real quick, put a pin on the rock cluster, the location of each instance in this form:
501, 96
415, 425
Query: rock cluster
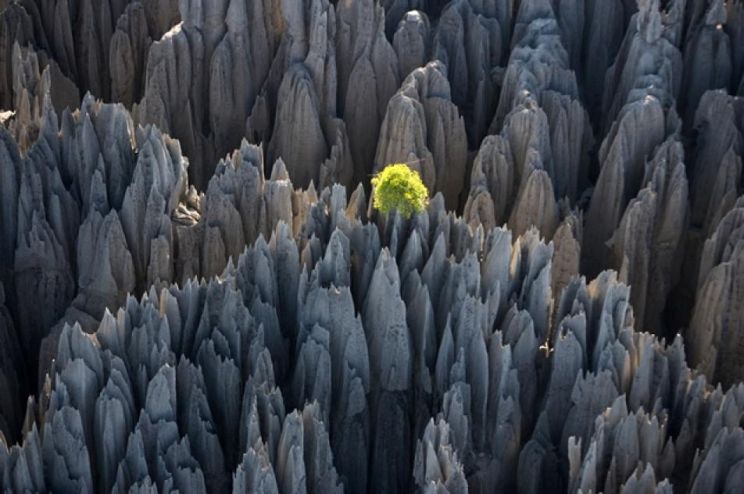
197, 295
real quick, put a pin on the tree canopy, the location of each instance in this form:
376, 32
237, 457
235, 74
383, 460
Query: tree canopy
398, 187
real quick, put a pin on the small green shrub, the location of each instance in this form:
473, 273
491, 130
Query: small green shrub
398, 187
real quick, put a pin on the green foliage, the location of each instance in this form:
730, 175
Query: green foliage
397, 187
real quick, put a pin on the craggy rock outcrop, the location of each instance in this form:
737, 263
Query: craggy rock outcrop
717, 316
647, 245
16, 27
411, 41
33, 89
639, 113
708, 58
12, 375
141, 23
236, 392
79, 35
194, 88
423, 127
715, 182
198, 294
716, 175
539, 110
100, 46
468, 41
368, 75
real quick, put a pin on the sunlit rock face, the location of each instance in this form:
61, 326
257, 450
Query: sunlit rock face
197, 294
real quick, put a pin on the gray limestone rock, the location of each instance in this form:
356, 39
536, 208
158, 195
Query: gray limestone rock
298, 137
255, 474
469, 44
208, 309
721, 140
422, 127
486, 384
215, 93
436, 466
127, 53
716, 317
567, 252
368, 75
707, 57
16, 28
37, 84
491, 184
656, 217
12, 373
632, 139
412, 41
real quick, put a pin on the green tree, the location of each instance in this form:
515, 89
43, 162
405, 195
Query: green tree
398, 187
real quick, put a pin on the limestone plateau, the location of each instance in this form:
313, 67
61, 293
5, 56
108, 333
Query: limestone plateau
197, 294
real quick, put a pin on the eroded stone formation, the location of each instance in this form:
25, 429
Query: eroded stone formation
196, 294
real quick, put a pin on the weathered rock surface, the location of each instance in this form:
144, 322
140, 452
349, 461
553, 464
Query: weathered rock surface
423, 127
462, 393
100, 46
197, 293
